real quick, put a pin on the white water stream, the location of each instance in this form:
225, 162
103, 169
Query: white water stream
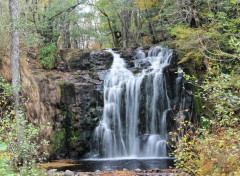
118, 134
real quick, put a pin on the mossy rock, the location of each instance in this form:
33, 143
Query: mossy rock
81, 61
68, 95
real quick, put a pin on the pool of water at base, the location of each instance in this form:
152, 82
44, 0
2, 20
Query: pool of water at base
91, 165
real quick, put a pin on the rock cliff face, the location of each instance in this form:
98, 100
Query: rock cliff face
69, 98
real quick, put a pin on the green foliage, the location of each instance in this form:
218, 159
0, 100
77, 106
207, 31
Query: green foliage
214, 152
212, 147
47, 56
58, 143
222, 93
187, 45
18, 152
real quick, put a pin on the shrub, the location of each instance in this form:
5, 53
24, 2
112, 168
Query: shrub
214, 152
18, 152
47, 56
213, 147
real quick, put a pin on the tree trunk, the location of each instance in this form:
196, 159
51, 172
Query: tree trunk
65, 35
14, 50
68, 36
124, 28
179, 9
15, 63
194, 16
114, 39
1, 12
151, 30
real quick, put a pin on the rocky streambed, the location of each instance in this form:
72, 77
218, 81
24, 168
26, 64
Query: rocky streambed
137, 172
126, 167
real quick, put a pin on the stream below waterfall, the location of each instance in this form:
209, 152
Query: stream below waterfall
91, 165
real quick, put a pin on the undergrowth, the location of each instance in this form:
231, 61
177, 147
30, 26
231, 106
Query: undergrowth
19, 153
47, 56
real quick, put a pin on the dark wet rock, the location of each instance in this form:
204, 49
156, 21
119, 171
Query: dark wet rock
102, 75
144, 64
68, 95
60, 65
127, 54
73, 60
156, 170
146, 48
101, 60
80, 61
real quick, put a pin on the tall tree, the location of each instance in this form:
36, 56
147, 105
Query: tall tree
15, 63
14, 50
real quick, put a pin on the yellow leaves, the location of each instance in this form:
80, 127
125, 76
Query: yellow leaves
44, 3
143, 4
219, 145
186, 57
12, 112
140, 4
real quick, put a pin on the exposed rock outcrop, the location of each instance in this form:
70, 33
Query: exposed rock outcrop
69, 98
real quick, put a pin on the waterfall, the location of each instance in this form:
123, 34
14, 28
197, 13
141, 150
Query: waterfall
125, 93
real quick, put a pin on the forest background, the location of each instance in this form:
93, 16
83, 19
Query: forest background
204, 33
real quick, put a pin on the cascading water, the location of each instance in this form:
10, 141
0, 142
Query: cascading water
118, 134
